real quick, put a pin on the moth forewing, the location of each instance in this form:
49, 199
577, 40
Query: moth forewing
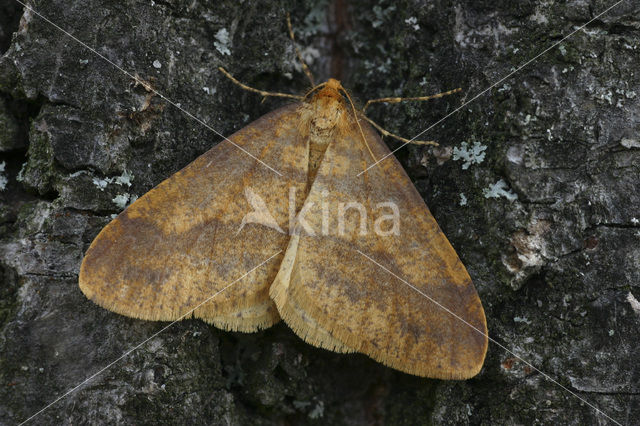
329, 295
179, 243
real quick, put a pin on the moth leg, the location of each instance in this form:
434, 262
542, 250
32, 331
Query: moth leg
419, 98
261, 92
305, 68
400, 138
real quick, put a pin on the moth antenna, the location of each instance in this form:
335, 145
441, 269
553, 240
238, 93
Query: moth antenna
355, 115
400, 138
305, 68
419, 98
261, 92
313, 89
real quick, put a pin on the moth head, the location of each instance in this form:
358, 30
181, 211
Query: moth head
327, 110
327, 106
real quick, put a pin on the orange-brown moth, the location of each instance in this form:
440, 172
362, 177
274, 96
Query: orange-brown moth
189, 237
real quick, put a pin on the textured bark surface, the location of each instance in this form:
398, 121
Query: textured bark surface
555, 257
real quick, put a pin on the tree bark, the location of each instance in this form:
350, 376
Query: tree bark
535, 184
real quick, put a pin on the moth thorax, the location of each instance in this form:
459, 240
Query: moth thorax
324, 114
328, 113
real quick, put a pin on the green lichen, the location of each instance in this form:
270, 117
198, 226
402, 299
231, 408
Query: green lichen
10, 79
8, 308
40, 172
8, 294
32, 216
8, 129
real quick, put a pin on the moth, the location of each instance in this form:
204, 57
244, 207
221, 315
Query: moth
349, 255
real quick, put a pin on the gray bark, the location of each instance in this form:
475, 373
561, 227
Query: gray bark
557, 268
